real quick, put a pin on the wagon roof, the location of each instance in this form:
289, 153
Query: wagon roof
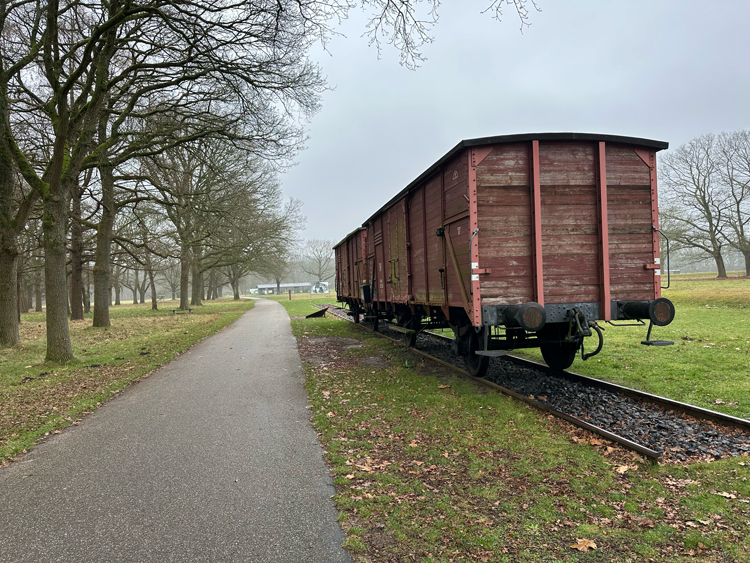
467, 143
347, 237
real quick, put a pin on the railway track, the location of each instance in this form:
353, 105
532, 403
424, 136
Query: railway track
658, 428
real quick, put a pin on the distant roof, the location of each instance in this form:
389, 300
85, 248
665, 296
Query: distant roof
270, 285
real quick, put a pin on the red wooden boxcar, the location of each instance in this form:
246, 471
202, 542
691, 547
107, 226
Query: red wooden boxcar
513, 242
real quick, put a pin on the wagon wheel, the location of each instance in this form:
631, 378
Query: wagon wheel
409, 340
559, 356
355, 315
476, 365
414, 323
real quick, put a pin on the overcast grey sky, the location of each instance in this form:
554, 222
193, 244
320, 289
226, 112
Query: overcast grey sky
666, 70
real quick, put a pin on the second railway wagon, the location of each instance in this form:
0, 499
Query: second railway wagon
515, 241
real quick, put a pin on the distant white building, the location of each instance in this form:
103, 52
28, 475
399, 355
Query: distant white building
298, 287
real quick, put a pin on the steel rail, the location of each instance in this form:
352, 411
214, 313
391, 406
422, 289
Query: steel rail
653, 455
670, 404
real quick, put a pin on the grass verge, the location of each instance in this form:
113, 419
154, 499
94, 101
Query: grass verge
38, 398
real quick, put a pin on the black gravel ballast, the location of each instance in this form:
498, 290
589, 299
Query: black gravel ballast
679, 437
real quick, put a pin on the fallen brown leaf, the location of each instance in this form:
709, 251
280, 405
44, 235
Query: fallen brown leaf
584, 545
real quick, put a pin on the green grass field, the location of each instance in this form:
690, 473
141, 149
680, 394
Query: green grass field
430, 467
709, 364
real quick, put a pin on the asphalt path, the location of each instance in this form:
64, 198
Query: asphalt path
211, 458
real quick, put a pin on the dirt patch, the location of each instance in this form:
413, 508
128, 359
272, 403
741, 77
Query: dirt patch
379, 539
374, 361
322, 350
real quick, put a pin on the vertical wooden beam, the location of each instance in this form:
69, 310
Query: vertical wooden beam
649, 159
446, 309
364, 277
603, 232
409, 295
476, 298
425, 259
536, 224
655, 223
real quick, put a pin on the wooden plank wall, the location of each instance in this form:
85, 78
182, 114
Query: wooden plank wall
434, 220
505, 230
340, 274
418, 239
570, 237
571, 257
630, 238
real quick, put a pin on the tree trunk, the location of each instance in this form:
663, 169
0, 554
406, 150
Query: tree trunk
211, 284
143, 286
720, 266
184, 277
116, 285
102, 253
135, 287
9, 335
38, 287
59, 348
29, 296
76, 258
18, 294
87, 294
152, 284
196, 299
197, 289
236, 290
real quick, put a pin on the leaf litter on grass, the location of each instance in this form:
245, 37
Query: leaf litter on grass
427, 476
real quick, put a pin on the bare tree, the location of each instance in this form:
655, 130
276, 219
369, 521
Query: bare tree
696, 205
734, 170
317, 259
171, 276
278, 268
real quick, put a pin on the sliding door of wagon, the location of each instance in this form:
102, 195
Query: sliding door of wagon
457, 231
417, 237
570, 230
434, 258
397, 262
379, 271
